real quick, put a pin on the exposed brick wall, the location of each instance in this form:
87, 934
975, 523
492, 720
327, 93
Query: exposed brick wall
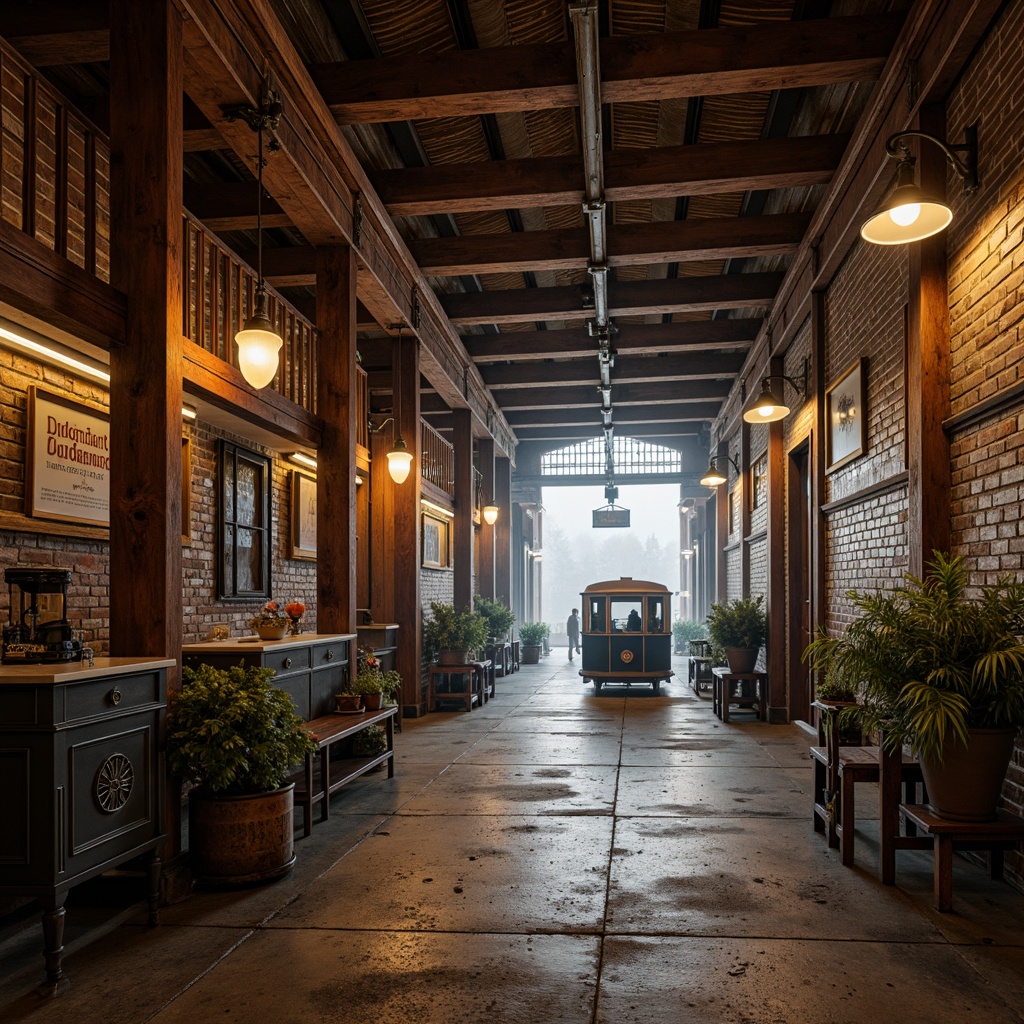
733, 573
437, 585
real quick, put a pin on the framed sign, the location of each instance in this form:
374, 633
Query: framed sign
67, 467
303, 516
846, 431
436, 542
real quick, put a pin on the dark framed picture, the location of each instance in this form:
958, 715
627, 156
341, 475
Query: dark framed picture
436, 542
303, 516
846, 430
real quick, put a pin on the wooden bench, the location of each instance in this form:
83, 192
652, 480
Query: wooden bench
1004, 833
327, 731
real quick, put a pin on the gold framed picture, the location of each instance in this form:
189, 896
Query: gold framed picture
436, 542
303, 516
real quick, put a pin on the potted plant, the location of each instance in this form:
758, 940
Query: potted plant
739, 628
942, 670
373, 684
531, 636
453, 636
234, 736
685, 630
500, 618
270, 622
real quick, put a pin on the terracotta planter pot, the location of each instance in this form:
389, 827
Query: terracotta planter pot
239, 840
967, 784
373, 701
453, 657
741, 659
347, 702
274, 632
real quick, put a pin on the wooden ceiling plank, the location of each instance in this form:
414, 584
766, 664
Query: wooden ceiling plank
758, 58
50, 49
671, 171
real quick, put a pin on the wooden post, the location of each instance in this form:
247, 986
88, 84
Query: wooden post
927, 383
775, 599
485, 564
404, 566
146, 373
503, 531
462, 526
336, 459
722, 525
745, 507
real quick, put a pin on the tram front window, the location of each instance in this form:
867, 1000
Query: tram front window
626, 616
655, 615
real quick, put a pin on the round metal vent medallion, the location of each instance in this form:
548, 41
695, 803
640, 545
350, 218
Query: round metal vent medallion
114, 783
626, 656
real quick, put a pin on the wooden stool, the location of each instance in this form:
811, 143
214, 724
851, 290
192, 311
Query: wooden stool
467, 695
723, 695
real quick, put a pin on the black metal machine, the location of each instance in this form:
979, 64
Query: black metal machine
37, 629
627, 633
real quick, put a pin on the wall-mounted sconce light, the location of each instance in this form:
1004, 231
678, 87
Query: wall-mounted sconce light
53, 353
713, 477
188, 413
909, 213
399, 457
359, 480
770, 407
259, 345
490, 514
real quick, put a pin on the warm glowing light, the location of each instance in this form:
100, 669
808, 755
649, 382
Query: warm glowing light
399, 461
258, 346
303, 459
490, 514
53, 355
906, 214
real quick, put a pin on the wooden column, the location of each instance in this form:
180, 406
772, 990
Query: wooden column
336, 458
503, 531
745, 507
404, 564
927, 383
485, 564
818, 568
775, 599
146, 373
462, 525
722, 525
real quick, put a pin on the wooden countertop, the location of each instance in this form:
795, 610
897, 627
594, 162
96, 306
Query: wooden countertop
76, 671
241, 644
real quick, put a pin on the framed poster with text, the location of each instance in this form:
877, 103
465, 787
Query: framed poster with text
67, 464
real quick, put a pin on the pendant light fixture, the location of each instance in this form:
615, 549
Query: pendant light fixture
909, 213
490, 514
770, 407
714, 477
259, 344
399, 457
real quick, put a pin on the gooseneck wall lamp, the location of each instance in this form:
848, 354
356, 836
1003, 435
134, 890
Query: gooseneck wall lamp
259, 345
714, 477
399, 457
770, 405
909, 213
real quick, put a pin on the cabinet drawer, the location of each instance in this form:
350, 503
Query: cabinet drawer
292, 659
326, 655
111, 695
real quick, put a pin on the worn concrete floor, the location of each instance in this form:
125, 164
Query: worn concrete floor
554, 856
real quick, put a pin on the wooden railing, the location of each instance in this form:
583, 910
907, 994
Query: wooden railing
55, 187
54, 169
437, 459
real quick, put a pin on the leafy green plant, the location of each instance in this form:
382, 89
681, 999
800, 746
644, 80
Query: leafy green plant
930, 660
738, 623
533, 634
370, 741
231, 732
685, 630
500, 618
449, 630
372, 679
831, 687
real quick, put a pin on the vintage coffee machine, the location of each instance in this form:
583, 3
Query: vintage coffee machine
37, 629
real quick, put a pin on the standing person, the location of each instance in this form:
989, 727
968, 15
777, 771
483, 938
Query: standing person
572, 627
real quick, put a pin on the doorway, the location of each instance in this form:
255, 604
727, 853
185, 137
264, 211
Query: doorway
798, 589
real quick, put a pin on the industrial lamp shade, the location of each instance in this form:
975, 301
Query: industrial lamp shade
712, 478
907, 214
768, 408
259, 346
490, 514
399, 461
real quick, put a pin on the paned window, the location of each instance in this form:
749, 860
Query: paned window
244, 523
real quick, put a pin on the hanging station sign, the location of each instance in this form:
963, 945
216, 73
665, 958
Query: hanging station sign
609, 516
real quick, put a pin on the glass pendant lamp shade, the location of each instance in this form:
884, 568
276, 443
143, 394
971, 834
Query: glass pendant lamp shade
259, 346
490, 514
399, 461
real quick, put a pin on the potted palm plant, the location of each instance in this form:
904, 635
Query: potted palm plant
234, 737
739, 629
453, 636
942, 670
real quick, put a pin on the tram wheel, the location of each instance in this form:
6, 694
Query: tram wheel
597, 686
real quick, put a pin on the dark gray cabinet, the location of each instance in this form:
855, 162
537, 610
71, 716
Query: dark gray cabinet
311, 667
81, 770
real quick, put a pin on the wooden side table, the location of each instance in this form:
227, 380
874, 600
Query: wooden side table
744, 689
469, 692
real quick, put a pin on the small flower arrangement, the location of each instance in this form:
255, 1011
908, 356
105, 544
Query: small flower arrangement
269, 615
295, 609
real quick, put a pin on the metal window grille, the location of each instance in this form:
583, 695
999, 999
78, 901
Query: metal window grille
587, 458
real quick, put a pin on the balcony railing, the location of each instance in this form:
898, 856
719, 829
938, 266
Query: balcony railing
437, 460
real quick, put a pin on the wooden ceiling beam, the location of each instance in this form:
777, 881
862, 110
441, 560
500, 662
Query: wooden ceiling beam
648, 393
635, 339
231, 206
50, 49
677, 367
649, 432
688, 412
625, 298
628, 245
711, 168
706, 62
